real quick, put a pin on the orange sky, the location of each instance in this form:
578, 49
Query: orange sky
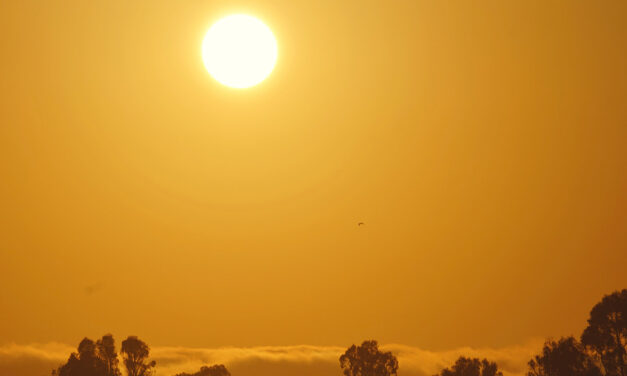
482, 143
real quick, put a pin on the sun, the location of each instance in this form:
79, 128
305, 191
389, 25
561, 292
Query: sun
239, 51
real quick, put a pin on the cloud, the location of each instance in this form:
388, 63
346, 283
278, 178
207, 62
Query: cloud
303, 360
259, 361
511, 360
37, 359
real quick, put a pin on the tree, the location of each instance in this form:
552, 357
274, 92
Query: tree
606, 333
367, 360
135, 354
106, 352
566, 357
472, 367
215, 370
85, 362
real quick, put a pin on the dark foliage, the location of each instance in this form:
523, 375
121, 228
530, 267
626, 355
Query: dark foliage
92, 359
106, 352
472, 367
135, 354
367, 360
566, 357
606, 333
215, 370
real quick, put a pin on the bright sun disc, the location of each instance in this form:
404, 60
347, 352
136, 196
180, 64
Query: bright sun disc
239, 51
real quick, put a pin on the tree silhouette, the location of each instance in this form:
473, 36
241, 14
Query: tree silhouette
135, 354
606, 333
566, 357
472, 367
215, 370
85, 362
367, 360
108, 355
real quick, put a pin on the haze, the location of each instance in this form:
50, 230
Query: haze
481, 143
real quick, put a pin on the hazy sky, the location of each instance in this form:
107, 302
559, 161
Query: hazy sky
483, 143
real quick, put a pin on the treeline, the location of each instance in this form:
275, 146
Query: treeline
101, 359
600, 351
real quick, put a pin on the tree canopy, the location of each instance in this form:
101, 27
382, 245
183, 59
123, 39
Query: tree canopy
92, 359
215, 370
606, 333
106, 351
566, 357
135, 354
472, 367
368, 360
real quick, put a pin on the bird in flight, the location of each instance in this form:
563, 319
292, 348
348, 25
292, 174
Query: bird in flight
360, 224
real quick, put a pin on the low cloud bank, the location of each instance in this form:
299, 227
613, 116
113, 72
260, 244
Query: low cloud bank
32, 360
40, 359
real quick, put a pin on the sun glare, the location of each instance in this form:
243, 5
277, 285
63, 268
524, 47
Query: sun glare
239, 51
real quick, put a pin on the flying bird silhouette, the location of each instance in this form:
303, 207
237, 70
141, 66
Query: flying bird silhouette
360, 224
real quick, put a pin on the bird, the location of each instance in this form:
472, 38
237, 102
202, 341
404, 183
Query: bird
360, 224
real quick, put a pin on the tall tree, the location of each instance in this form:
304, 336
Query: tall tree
135, 354
472, 367
106, 352
566, 357
606, 333
215, 370
368, 360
